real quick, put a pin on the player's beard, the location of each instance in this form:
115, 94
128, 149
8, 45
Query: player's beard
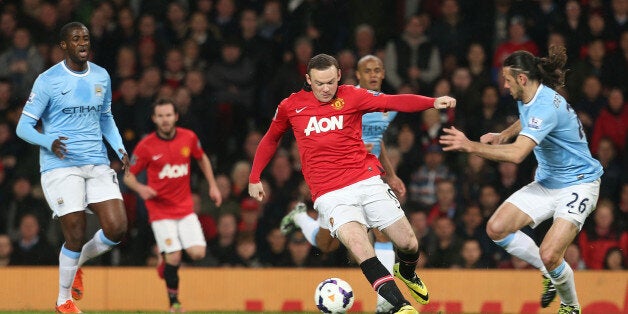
167, 131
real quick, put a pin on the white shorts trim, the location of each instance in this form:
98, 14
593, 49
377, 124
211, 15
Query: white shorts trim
172, 235
573, 203
71, 189
370, 202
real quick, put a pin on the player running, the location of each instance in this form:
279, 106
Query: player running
344, 179
165, 155
567, 181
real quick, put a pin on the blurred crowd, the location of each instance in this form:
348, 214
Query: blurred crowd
228, 63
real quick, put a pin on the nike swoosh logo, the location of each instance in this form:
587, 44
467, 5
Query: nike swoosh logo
425, 297
157, 157
65, 92
299, 110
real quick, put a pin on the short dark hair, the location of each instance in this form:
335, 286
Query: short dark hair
549, 71
164, 101
322, 62
67, 29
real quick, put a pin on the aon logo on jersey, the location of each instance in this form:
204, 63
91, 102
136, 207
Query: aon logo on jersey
173, 171
323, 125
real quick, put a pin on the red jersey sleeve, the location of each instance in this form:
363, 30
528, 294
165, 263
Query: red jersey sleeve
139, 159
268, 145
197, 148
376, 101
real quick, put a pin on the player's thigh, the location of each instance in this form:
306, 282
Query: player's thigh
381, 206
64, 190
101, 184
339, 207
166, 234
530, 205
191, 232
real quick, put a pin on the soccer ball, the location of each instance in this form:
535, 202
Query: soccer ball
333, 295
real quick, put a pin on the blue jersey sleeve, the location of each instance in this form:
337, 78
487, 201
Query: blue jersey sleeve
33, 109
538, 123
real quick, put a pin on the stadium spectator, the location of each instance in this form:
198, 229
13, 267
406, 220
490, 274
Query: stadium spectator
591, 103
613, 171
30, 246
612, 122
471, 256
21, 62
422, 184
275, 253
573, 256
445, 205
595, 62
614, 259
6, 248
222, 247
444, 249
574, 26
604, 233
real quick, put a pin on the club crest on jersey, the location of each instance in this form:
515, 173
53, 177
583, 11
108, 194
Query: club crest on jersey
338, 104
185, 151
535, 123
30, 98
98, 90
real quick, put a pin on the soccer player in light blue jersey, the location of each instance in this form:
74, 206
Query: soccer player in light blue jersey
72, 100
567, 180
370, 74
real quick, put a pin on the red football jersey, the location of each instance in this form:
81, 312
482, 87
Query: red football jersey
329, 135
167, 165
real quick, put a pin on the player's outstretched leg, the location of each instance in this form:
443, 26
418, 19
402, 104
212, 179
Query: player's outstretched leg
418, 290
549, 292
77, 285
288, 225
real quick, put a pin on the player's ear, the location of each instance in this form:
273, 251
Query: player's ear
308, 79
63, 45
339, 75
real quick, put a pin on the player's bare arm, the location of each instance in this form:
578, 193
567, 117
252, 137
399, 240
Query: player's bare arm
456, 140
206, 167
126, 163
502, 137
58, 147
391, 176
143, 190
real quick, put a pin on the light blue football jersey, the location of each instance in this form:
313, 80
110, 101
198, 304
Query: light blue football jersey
72, 104
562, 151
374, 125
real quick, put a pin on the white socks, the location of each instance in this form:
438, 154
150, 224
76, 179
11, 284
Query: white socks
522, 246
308, 225
98, 245
68, 264
563, 280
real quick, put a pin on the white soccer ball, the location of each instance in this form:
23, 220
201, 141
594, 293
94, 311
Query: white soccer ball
333, 295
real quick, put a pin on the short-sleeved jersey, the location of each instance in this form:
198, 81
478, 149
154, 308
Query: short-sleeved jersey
329, 135
71, 104
562, 151
167, 165
374, 124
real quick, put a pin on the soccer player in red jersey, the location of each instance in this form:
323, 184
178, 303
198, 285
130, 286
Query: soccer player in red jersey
165, 155
344, 179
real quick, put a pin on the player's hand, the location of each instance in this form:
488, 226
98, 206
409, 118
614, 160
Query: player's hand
454, 140
58, 147
256, 191
125, 160
444, 102
491, 138
369, 147
146, 192
214, 194
397, 186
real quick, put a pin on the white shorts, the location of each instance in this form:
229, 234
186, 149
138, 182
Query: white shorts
370, 202
174, 235
573, 203
71, 189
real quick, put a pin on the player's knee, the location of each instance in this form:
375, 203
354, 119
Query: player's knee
495, 230
410, 245
116, 232
196, 253
550, 257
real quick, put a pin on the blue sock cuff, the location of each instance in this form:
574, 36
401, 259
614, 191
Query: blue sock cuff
104, 239
383, 246
505, 241
314, 233
68, 253
559, 270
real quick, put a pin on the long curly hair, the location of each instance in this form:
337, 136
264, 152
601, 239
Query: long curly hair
549, 71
